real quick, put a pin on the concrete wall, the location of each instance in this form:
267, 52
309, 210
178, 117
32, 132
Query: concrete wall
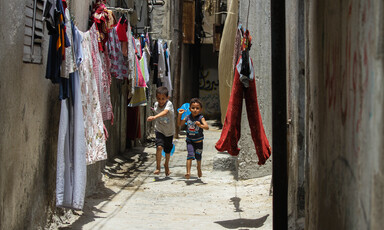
259, 25
29, 121
208, 22
160, 19
189, 79
29, 124
344, 68
209, 83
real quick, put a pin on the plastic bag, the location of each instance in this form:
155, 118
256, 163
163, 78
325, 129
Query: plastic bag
172, 151
185, 106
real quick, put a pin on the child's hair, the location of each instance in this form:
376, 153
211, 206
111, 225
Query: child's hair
196, 100
162, 90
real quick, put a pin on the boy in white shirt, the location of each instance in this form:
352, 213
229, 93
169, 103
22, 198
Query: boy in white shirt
164, 128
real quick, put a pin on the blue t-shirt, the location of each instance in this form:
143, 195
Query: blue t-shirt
194, 132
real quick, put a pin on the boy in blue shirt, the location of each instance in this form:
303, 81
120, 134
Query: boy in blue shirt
195, 125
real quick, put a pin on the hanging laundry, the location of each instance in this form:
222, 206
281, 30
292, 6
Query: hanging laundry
101, 66
119, 66
68, 64
121, 30
142, 42
133, 123
138, 47
77, 49
71, 145
71, 158
105, 88
131, 61
148, 42
94, 133
230, 134
105, 20
144, 68
154, 62
139, 94
49, 14
147, 55
167, 82
138, 98
237, 47
161, 64
56, 50
139, 78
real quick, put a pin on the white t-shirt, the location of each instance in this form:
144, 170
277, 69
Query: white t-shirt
165, 124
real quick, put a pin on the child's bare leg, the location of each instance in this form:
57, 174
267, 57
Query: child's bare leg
199, 172
159, 149
189, 164
166, 164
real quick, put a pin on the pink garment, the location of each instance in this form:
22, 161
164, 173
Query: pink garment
101, 66
105, 89
119, 67
139, 79
93, 122
237, 48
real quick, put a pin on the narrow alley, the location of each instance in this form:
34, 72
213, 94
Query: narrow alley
132, 197
292, 92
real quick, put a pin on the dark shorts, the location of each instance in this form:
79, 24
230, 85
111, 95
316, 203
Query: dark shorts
165, 142
194, 150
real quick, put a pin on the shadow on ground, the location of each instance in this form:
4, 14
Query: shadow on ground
126, 165
243, 223
194, 181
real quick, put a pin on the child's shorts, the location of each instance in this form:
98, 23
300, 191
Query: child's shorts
165, 142
194, 150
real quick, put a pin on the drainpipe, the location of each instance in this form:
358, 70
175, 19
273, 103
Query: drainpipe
279, 116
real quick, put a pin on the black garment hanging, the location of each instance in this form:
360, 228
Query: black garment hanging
154, 64
165, 59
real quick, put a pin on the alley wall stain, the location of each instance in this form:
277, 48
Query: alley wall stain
345, 108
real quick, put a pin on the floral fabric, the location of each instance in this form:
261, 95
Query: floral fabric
93, 121
101, 66
119, 67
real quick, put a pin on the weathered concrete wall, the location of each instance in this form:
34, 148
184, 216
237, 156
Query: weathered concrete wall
29, 125
345, 114
208, 22
209, 83
187, 78
30, 112
160, 20
259, 25
296, 109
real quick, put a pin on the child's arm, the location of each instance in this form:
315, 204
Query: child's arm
203, 124
162, 114
179, 121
